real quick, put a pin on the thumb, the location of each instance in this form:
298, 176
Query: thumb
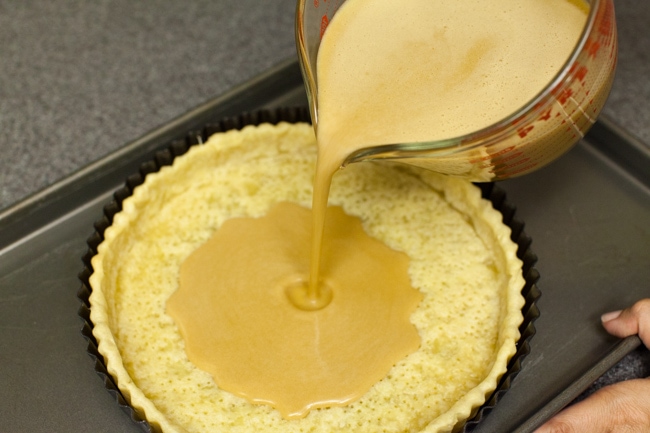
587, 415
633, 320
622, 407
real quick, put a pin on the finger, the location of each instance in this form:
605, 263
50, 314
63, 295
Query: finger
633, 320
575, 419
622, 407
581, 417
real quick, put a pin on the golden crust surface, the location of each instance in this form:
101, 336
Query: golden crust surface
462, 260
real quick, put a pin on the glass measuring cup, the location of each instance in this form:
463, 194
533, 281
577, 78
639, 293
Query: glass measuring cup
542, 130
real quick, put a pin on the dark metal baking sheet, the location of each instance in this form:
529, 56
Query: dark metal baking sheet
587, 213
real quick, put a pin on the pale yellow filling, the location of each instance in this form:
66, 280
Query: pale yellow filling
421, 70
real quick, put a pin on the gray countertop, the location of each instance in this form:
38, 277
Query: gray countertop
79, 80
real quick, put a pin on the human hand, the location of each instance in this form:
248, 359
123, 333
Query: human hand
633, 320
622, 407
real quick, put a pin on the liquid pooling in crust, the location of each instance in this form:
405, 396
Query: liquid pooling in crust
531, 293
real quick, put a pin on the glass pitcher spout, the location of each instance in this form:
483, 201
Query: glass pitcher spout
542, 130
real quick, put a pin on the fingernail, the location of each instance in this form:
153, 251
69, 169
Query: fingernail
610, 316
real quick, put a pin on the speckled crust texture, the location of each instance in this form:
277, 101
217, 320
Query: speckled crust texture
462, 260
